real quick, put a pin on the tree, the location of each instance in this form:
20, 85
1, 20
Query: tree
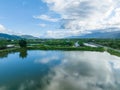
81, 43
3, 44
22, 43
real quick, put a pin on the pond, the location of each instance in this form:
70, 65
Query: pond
59, 70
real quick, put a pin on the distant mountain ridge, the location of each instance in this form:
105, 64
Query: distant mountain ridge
111, 34
29, 37
97, 34
16, 37
8, 36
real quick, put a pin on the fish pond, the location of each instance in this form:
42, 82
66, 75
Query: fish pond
59, 70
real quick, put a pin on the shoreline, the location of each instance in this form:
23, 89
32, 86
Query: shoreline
98, 49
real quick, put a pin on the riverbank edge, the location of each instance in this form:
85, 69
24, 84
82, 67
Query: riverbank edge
98, 49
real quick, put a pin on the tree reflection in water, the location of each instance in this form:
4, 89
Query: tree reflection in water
64, 70
23, 53
3, 54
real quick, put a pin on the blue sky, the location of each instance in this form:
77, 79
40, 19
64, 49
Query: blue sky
17, 16
44, 18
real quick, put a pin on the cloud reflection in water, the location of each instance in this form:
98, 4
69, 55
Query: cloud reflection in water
86, 71
66, 70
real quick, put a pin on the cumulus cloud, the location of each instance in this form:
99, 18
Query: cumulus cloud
87, 15
60, 33
2, 29
46, 18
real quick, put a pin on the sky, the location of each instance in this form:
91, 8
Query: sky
58, 18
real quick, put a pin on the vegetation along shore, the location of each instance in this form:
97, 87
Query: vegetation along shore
101, 45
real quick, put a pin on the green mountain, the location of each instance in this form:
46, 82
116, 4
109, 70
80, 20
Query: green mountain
7, 36
28, 37
104, 33
16, 37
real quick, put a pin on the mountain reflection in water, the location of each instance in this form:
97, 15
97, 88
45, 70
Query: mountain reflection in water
60, 70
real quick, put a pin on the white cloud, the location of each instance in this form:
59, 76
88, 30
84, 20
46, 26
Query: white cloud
46, 18
114, 20
87, 15
2, 28
62, 33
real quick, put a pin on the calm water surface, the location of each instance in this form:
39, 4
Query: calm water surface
59, 70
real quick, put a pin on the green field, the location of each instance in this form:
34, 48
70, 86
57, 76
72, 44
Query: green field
63, 44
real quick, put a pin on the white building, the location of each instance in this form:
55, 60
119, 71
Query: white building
10, 46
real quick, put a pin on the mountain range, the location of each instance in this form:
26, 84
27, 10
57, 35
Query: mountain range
8, 36
115, 33
109, 33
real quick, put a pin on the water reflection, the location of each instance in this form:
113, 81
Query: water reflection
86, 71
23, 53
60, 70
3, 54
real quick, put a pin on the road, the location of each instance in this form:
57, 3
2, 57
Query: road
105, 47
91, 44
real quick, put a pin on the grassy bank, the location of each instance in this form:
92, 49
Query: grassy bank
85, 48
113, 52
10, 50
5, 52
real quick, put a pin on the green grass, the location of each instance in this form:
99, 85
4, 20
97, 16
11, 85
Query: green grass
66, 48
113, 52
5, 52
